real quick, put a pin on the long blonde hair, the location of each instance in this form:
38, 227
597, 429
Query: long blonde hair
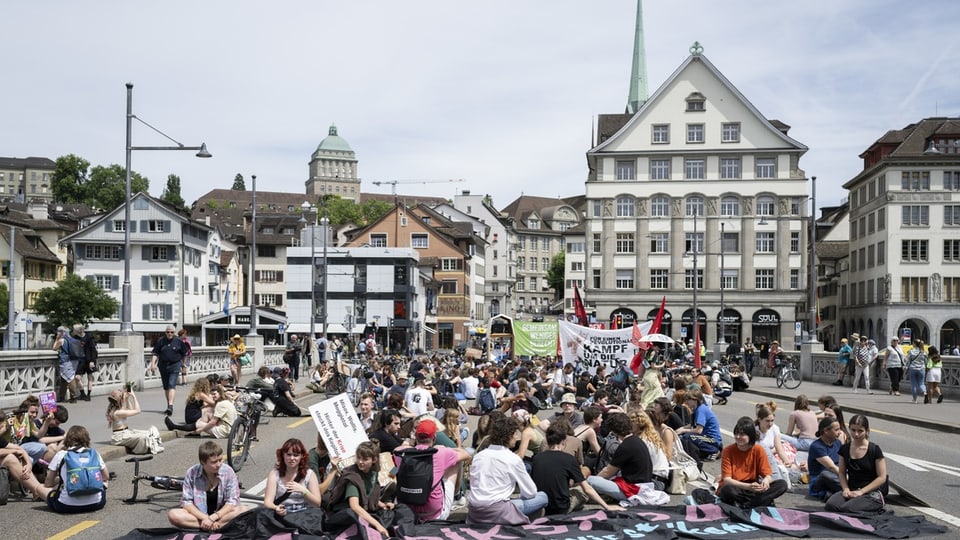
451, 424
643, 428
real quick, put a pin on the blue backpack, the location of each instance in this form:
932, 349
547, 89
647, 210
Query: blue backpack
84, 472
486, 400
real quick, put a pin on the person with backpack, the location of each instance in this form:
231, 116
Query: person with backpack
67, 367
78, 477
182, 334
83, 350
426, 473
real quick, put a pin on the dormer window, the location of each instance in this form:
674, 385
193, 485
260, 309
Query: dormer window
533, 223
696, 102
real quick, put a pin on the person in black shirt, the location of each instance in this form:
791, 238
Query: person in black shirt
387, 431
632, 460
283, 396
168, 351
554, 471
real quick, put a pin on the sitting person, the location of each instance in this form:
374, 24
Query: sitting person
445, 470
555, 470
863, 473
705, 432
387, 430
291, 484
823, 459
198, 399
19, 466
283, 395
219, 421
494, 474
263, 382
121, 405
630, 465
209, 480
54, 490
801, 425
745, 475
323, 465
356, 493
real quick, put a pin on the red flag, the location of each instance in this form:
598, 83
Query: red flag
613, 324
696, 341
637, 362
655, 329
578, 308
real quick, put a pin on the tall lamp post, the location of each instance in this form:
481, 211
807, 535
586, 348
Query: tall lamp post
324, 226
253, 258
723, 307
313, 267
126, 312
812, 286
696, 312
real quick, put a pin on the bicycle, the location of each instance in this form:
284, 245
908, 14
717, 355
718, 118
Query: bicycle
244, 429
166, 483
787, 373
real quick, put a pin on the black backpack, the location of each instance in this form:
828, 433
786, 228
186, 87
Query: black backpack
486, 400
415, 475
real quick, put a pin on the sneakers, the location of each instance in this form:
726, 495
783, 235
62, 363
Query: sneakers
459, 503
169, 410
940, 398
838, 383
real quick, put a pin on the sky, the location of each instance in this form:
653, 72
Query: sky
499, 93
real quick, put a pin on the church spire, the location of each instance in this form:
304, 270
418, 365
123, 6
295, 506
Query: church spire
638, 75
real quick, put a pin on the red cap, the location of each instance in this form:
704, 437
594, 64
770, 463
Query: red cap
426, 429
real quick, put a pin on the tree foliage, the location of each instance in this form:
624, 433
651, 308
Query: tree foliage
70, 178
4, 303
171, 193
556, 273
106, 187
342, 211
238, 183
75, 300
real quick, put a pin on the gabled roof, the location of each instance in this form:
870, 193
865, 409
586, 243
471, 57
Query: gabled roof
27, 163
406, 200
437, 233
171, 210
29, 246
525, 206
910, 143
652, 102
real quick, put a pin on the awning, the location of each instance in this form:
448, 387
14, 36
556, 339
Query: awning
333, 328
428, 329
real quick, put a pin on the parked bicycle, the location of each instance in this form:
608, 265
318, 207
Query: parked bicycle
787, 373
167, 483
244, 430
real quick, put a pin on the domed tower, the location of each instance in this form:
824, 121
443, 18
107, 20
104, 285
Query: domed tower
333, 168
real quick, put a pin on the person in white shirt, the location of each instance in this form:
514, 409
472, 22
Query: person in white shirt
563, 382
471, 384
893, 362
418, 399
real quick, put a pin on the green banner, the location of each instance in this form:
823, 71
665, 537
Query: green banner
535, 338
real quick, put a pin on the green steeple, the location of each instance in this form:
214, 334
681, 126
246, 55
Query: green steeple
638, 75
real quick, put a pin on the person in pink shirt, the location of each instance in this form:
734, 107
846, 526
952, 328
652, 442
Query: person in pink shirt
445, 467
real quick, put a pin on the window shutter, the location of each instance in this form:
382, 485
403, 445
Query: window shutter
279, 300
145, 252
146, 312
108, 225
171, 283
144, 283
133, 226
114, 283
280, 275
143, 225
196, 285
256, 277
256, 299
78, 251
167, 226
168, 311
172, 253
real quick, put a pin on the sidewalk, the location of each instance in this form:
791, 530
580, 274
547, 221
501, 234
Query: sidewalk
942, 417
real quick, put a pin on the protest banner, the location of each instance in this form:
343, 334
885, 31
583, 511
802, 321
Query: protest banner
590, 347
337, 422
534, 338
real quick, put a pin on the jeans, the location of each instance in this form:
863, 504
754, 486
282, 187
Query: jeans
606, 487
746, 498
748, 363
865, 371
801, 444
917, 386
532, 505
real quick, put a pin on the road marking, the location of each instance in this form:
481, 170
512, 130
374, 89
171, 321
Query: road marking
873, 430
257, 489
83, 525
942, 516
299, 423
923, 465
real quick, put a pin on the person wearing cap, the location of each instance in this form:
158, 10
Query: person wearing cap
236, 349
169, 351
401, 385
568, 410
445, 466
893, 362
866, 355
843, 358
418, 399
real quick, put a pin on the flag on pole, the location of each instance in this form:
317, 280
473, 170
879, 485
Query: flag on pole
696, 341
658, 320
578, 309
818, 309
643, 346
226, 300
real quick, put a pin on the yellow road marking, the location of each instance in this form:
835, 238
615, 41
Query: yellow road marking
83, 525
299, 423
874, 430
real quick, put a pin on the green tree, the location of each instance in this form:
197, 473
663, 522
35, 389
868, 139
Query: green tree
373, 210
171, 193
69, 180
75, 300
556, 274
106, 187
238, 183
340, 211
4, 303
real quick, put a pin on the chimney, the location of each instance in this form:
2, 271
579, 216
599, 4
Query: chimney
38, 210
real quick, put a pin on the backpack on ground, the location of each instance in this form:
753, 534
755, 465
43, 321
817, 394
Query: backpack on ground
84, 473
415, 475
486, 400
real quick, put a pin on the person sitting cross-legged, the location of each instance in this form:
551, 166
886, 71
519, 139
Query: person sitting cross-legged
629, 467
209, 480
445, 466
705, 432
55, 489
745, 475
554, 470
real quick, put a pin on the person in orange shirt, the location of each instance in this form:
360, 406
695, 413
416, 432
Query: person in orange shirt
745, 476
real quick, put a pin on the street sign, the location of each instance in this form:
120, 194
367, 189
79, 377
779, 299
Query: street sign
280, 327
906, 335
798, 329
683, 331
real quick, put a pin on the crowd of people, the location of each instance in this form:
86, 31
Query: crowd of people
918, 363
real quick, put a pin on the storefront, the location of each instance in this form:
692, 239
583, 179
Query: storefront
666, 324
766, 324
622, 318
731, 327
686, 325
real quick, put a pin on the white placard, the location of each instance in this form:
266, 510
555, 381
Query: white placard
339, 426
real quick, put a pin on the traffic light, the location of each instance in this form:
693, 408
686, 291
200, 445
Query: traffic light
619, 321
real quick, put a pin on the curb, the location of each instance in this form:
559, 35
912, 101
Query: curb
875, 413
111, 452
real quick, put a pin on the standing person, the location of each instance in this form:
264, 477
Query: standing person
291, 484
84, 351
823, 459
182, 334
746, 479
292, 356
916, 369
934, 374
893, 362
863, 473
121, 405
843, 358
554, 471
68, 366
54, 489
856, 341
211, 493
323, 345
748, 356
236, 349
169, 351
763, 349
866, 355
309, 345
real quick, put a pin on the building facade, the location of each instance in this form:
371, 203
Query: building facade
26, 179
333, 169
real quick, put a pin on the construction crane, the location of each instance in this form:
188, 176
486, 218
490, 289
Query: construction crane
393, 183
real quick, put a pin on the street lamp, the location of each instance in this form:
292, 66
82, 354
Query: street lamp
253, 258
324, 224
305, 207
812, 286
723, 335
126, 312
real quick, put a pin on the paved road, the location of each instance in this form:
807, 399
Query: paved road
922, 459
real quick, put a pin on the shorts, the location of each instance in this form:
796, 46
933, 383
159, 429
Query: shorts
169, 374
53, 502
83, 367
934, 375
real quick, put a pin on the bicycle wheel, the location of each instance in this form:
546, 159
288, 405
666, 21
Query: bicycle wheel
238, 444
790, 378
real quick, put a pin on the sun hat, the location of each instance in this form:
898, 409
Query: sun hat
568, 398
236, 336
522, 415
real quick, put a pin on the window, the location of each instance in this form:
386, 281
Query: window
576, 266
533, 264
661, 134
597, 208
951, 250
915, 180
448, 286
765, 242
659, 278
533, 283
266, 251
729, 168
626, 170
625, 207
913, 250
871, 255
659, 169
269, 276
624, 278
693, 169
545, 243
913, 289
158, 283
660, 206
119, 225
156, 225
575, 247
522, 242
694, 206
951, 214
109, 253
764, 278
951, 180
730, 279
766, 167
795, 204
951, 289
545, 263
794, 278
521, 286
730, 132
694, 133
881, 253
522, 263
688, 282
693, 242
596, 278
533, 223
156, 312
730, 242
534, 243
451, 264
730, 206
917, 215
596, 242
159, 253
696, 102
419, 241
104, 282
625, 243
378, 240
795, 242
766, 206
660, 243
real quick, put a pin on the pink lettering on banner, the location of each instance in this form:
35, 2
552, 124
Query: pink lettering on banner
494, 532
652, 516
784, 519
850, 520
704, 512
543, 526
585, 521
